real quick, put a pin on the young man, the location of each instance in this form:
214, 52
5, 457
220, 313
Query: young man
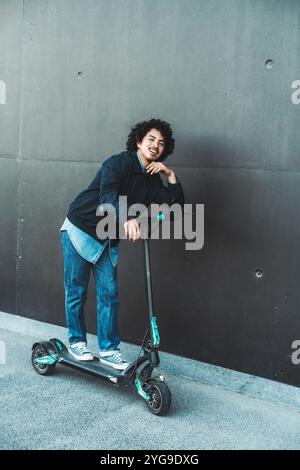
134, 173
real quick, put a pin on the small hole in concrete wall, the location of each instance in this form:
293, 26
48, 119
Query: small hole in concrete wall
258, 273
80, 75
269, 63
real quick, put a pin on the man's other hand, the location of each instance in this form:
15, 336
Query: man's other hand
158, 167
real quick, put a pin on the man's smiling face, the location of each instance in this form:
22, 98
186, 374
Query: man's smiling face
151, 147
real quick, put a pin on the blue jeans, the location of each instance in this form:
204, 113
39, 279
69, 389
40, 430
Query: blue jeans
76, 279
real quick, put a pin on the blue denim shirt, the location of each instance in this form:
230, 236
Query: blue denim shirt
142, 167
86, 246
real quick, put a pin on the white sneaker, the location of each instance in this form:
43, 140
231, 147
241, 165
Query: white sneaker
80, 352
114, 359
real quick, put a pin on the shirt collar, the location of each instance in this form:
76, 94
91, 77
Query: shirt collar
140, 161
137, 165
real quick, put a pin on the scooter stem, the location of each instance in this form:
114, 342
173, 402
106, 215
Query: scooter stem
148, 278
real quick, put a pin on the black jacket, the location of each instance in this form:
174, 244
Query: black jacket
120, 175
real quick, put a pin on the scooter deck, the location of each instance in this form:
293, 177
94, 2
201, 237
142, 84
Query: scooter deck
95, 368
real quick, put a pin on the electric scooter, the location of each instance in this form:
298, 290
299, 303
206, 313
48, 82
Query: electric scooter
153, 389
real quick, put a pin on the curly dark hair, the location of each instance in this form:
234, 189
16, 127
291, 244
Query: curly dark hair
139, 131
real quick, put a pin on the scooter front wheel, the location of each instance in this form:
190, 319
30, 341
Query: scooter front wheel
160, 397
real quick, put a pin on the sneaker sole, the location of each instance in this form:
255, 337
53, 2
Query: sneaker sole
81, 358
114, 366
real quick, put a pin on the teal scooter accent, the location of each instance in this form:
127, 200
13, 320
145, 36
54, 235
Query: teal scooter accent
160, 217
59, 345
47, 359
155, 333
138, 386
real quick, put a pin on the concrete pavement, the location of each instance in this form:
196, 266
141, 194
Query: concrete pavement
70, 410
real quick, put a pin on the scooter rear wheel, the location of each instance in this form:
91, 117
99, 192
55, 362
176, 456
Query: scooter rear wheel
160, 400
42, 369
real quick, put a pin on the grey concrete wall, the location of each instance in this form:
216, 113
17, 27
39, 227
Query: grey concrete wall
78, 74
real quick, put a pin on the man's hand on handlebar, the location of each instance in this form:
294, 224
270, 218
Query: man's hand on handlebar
132, 230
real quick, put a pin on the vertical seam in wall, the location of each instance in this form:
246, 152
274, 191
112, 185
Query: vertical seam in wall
19, 176
21, 85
